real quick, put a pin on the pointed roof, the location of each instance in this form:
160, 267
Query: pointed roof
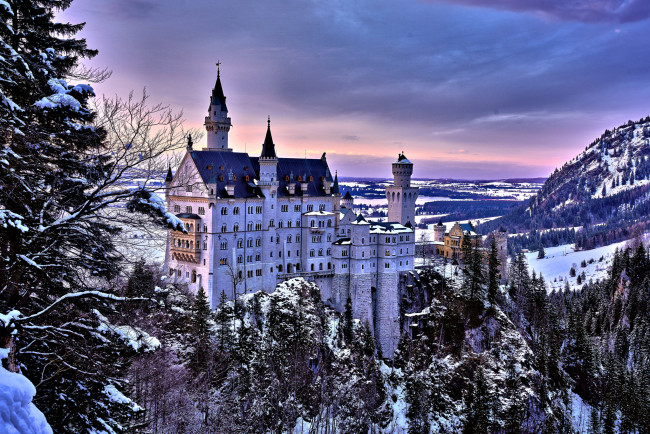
401, 159
335, 188
169, 177
347, 195
268, 148
217, 94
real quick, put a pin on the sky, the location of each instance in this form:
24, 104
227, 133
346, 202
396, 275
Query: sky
468, 89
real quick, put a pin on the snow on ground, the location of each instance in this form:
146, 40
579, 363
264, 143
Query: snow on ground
556, 265
18, 415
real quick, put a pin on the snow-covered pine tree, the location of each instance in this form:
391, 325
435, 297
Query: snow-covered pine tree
60, 177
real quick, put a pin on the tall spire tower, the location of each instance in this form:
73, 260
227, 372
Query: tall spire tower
217, 122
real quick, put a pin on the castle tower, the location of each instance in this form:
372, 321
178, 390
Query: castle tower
336, 204
217, 123
268, 160
347, 200
439, 232
401, 196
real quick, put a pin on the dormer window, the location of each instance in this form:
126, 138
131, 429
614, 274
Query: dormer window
234, 177
299, 178
247, 178
221, 178
221, 168
311, 178
286, 178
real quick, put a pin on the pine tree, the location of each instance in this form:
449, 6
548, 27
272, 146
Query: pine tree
493, 272
223, 318
201, 337
347, 321
478, 403
56, 246
541, 254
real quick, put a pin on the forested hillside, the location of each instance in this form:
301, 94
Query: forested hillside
479, 359
605, 190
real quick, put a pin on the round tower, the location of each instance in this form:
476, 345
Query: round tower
401, 196
439, 232
402, 171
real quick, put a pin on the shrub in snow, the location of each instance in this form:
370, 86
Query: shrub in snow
18, 414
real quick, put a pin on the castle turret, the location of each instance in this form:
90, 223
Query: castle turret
347, 201
439, 232
268, 160
217, 123
401, 196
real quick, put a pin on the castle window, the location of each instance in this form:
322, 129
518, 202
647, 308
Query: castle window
329, 223
362, 266
311, 253
224, 210
320, 252
400, 251
249, 258
407, 262
188, 209
234, 177
288, 238
386, 265
387, 252
235, 210
329, 237
240, 259
298, 223
329, 265
401, 238
329, 252
258, 242
193, 276
400, 263
258, 210
363, 254
224, 245
201, 210
249, 226
312, 267
188, 188
280, 224
388, 239
240, 275
310, 208
258, 226
407, 251
249, 242
240, 243
257, 258
286, 178
394, 239
296, 208
221, 178
172, 271
211, 191
205, 245
363, 241
273, 192
408, 238
179, 273
320, 266
284, 208
313, 224
223, 261
235, 228
258, 272
223, 228
205, 228
288, 253
299, 178
311, 178
297, 238
280, 268
321, 207
177, 208
249, 273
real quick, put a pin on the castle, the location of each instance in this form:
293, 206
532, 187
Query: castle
253, 222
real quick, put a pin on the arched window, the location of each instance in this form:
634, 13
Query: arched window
312, 267
224, 228
320, 266
193, 276
329, 265
280, 268
313, 224
236, 227
398, 196
320, 252
329, 223
311, 253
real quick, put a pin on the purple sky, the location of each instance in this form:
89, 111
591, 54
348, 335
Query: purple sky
467, 88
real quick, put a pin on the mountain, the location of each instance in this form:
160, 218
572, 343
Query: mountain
605, 190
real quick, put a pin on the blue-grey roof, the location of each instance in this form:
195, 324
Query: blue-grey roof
213, 164
303, 167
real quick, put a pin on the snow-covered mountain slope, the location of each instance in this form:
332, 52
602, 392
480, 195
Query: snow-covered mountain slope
606, 188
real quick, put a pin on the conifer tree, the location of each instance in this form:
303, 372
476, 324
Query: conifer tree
493, 272
541, 254
201, 337
347, 321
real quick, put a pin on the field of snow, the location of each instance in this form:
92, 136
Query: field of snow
559, 260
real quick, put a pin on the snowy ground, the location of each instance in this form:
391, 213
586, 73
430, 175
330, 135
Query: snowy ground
556, 265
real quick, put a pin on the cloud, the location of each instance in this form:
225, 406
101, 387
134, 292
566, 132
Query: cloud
351, 138
572, 10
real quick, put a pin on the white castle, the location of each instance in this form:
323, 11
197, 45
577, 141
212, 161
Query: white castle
253, 222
